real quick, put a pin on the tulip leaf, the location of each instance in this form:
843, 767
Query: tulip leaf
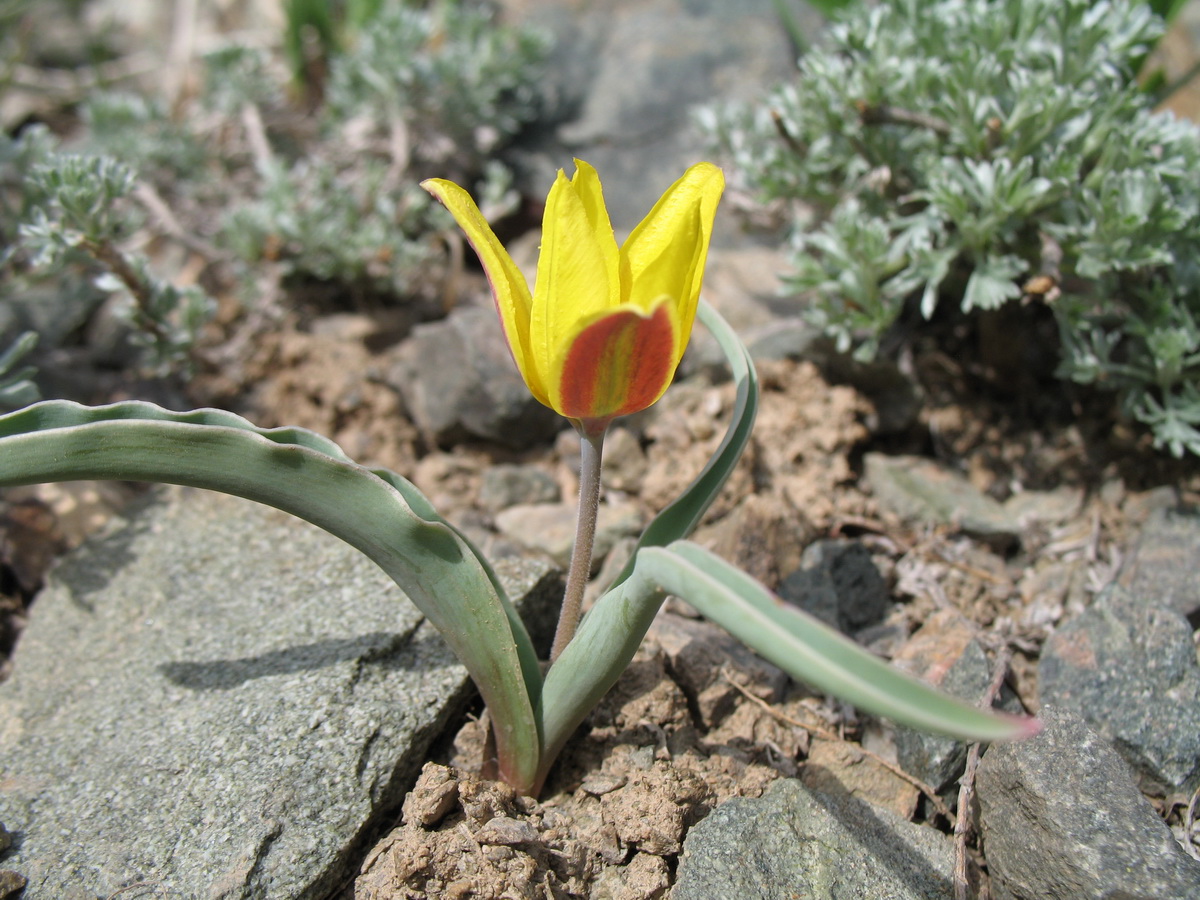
614, 628
810, 651
302, 473
804, 647
591, 663
683, 514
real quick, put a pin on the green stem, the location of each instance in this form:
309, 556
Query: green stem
590, 453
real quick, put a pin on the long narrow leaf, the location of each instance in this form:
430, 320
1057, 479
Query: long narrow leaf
614, 628
683, 514
590, 665
302, 473
811, 651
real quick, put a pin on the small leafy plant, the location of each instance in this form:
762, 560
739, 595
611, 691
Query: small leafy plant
599, 336
407, 89
268, 190
80, 212
962, 155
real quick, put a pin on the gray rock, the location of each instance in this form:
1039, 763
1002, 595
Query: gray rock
10, 882
459, 381
550, 528
786, 338
1045, 507
508, 484
743, 284
1164, 562
839, 583
1129, 668
923, 491
946, 652
630, 74
1061, 817
624, 461
794, 842
222, 700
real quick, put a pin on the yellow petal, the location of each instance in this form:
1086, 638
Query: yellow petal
509, 287
577, 274
665, 254
586, 182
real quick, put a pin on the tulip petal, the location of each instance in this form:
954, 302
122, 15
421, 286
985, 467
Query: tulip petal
577, 274
509, 287
586, 182
665, 254
618, 363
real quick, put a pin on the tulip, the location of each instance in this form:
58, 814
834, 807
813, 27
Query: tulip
605, 327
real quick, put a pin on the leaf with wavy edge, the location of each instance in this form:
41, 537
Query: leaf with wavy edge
302, 473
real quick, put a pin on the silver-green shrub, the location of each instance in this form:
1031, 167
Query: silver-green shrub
973, 153
77, 210
273, 181
413, 91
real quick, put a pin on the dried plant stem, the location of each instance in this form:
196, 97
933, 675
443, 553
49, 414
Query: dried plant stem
962, 828
107, 254
157, 207
591, 451
883, 114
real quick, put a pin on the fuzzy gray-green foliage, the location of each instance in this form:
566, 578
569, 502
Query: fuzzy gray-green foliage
413, 92
76, 208
16, 385
320, 187
450, 75
956, 149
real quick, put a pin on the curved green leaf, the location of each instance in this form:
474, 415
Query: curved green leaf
811, 651
590, 665
682, 515
302, 473
614, 628
802, 646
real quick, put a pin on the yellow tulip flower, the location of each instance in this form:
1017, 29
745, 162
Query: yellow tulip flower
605, 327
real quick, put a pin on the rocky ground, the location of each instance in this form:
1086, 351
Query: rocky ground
1014, 542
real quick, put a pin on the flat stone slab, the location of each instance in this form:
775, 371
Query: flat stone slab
921, 490
1062, 817
1164, 560
221, 701
796, 842
1128, 666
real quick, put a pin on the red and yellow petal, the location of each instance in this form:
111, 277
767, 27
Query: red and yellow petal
619, 363
577, 274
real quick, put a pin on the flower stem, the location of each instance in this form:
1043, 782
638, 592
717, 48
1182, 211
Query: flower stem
590, 452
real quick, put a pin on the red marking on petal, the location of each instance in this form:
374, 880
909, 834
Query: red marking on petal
618, 365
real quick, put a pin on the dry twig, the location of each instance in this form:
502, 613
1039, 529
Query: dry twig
883, 114
823, 732
962, 828
153, 202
